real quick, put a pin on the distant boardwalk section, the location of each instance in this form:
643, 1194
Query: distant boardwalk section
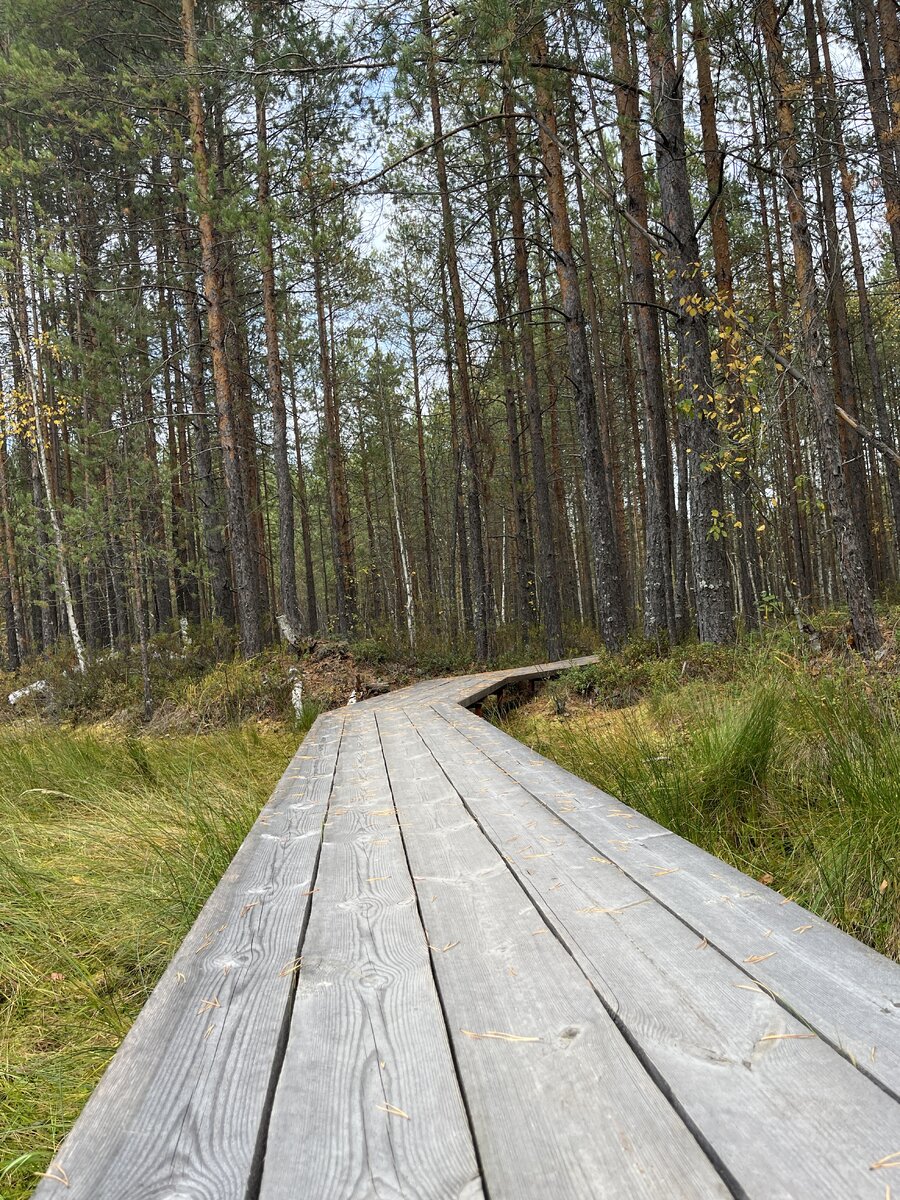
441, 967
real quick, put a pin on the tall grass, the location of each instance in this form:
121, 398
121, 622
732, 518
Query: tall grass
791, 776
108, 847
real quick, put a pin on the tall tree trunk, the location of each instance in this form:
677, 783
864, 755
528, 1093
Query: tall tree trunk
40, 454
151, 511
836, 301
712, 578
402, 550
594, 315
856, 586
245, 580
481, 597
659, 612
876, 382
871, 47
524, 596
210, 515
289, 616
140, 612
747, 552
339, 503
14, 650
185, 580
424, 497
459, 520
606, 565
549, 591
312, 607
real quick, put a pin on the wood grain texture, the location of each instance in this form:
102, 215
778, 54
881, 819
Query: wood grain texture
178, 1113
743, 1071
559, 1104
368, 1104
506, 974
844, 990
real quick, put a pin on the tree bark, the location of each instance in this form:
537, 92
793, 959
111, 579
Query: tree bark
606, 566
856, 586
712, 579
481, 607
289, 617
549, 582
659, 611
526, 614
210, 514
338, 500
713, 159
245, 581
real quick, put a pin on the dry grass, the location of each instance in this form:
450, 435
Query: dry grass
787, 769
109, 847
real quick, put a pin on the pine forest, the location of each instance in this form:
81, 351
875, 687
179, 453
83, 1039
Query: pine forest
459, 323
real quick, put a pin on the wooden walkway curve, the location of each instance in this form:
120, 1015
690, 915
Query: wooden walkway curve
440, 966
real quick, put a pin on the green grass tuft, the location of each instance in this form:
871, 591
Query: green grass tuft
790, 775
109, 847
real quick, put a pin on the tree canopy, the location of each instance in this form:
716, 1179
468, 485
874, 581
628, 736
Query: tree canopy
473, 323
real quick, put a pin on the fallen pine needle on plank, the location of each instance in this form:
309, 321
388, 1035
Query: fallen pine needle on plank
622, 907
502, 1037
755, 958
57, 1174
889, 1160
392, 1110
775, 1037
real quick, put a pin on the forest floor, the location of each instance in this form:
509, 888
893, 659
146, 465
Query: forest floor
781, 755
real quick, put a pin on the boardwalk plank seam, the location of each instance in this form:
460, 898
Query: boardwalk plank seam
842, 995
769, 1092
610, 1058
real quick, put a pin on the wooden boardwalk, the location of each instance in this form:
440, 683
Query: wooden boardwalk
442, 967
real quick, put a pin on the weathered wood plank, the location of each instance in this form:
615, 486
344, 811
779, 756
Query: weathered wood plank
744, 1073
179, 1111
367, 1104
559, 1104
844, 990
615, 923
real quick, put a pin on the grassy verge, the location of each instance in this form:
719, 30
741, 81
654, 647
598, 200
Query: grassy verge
114, 830
785, 764
108, 847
